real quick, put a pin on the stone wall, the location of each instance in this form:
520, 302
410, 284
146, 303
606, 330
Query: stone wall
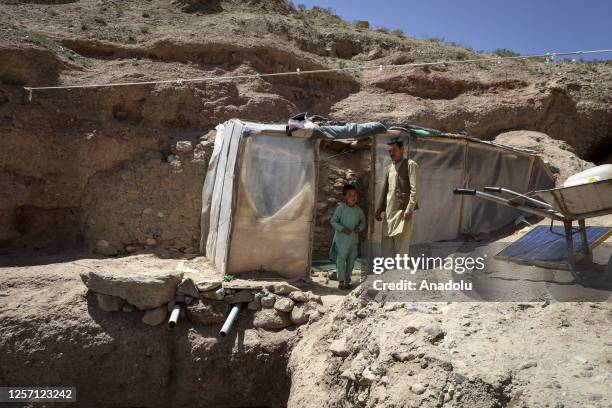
335, 170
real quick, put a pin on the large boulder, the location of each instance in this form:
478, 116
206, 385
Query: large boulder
143, 289
561, 157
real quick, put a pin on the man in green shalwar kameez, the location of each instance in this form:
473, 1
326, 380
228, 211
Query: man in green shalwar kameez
348, 221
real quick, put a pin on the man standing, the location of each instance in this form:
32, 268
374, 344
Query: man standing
398, 201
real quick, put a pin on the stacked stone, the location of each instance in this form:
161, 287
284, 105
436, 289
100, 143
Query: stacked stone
274, 305
148, 291
337, 172
271, 306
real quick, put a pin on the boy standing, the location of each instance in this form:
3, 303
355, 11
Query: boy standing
348, 221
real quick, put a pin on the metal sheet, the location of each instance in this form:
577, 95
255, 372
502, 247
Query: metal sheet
275, 204
582, 200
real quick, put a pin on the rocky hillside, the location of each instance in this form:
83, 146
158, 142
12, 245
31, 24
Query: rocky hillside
85, 165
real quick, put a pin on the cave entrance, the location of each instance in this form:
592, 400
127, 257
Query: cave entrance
46, 231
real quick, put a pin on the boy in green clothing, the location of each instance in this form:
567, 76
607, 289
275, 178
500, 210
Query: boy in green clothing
348, 221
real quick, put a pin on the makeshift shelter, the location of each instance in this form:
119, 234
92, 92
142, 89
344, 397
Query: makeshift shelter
260, 192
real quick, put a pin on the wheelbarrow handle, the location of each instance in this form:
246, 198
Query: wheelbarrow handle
493, 189
465, 191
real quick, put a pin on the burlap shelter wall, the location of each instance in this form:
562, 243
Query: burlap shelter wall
261, 205
446, 162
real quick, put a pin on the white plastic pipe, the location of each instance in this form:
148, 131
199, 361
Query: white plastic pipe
174, 315
229, 322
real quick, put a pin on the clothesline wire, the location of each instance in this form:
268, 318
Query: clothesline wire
549, 57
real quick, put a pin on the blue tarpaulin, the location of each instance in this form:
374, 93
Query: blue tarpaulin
542, 245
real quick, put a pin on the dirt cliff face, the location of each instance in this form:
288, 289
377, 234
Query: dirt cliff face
84, 165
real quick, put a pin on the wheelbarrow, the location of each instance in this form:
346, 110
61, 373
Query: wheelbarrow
565, 204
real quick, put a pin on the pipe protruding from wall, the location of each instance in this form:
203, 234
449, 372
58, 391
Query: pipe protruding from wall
174, 316
229, 322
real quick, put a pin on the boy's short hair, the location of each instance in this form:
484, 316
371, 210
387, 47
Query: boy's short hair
396, 141
347, 188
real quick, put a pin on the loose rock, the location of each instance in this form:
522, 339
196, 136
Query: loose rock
298, 315
434, 332
314, 298
109, 303
348, 375
402, 356
368, 375
155, 316
218, 294
184, 146
284, 305
271, 319
282, 288
255, 304
104, 248
268, 301
208, 285
127, 308
188, 288
298, 296
528, 364
241, 296
595, 397
418, 388
339, 348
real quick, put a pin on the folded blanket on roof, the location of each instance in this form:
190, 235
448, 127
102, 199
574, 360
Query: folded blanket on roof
353, 130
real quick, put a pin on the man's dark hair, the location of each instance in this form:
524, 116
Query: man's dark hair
347, 188
396, 141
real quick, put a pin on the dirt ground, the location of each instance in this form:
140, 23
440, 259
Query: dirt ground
544, 350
